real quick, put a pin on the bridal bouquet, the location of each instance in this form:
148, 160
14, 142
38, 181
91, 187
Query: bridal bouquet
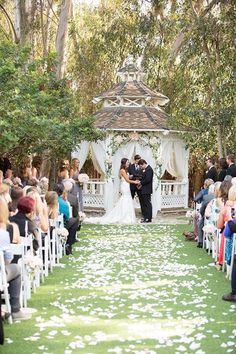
83, 178
62, 233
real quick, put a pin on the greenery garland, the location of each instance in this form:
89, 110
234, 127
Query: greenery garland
120, 139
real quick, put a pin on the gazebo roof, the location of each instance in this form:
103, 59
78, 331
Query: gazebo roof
130, 104
131, 118
132, 89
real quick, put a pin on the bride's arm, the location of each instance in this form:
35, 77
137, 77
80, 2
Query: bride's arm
125, 176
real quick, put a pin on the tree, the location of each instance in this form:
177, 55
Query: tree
37, 111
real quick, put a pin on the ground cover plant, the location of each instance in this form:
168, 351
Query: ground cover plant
129, 289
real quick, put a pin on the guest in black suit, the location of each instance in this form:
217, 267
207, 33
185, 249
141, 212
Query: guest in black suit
146, 190
223, 169
231, 170
211, 172
135, 173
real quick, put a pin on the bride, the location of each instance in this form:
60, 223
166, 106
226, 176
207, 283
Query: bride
123, 211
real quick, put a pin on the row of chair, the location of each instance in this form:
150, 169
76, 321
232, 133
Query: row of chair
35, 266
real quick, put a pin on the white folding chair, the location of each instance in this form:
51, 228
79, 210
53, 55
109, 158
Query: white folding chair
22, 249
43, 253
4, 287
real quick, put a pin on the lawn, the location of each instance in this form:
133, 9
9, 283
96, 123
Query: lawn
129, 289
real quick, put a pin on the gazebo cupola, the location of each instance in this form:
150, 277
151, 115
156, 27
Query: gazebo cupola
130, 104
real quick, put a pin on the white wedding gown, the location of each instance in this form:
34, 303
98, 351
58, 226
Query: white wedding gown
123, 212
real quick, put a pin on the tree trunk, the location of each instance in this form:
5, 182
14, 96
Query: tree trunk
212, 74
25, 12
62, 36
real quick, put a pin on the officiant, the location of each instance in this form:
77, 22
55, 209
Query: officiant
135, 173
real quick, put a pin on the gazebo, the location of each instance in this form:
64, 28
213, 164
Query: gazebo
134, 123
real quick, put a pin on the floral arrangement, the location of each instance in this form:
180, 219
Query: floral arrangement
146, 139
83, 178
62, 233
210, 230
33, 263
190, 215
82, 215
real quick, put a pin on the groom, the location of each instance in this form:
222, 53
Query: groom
145, 190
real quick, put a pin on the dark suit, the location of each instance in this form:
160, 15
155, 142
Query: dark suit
73, 223
72, 199
145, 193
212, 173
231, 170
136, 172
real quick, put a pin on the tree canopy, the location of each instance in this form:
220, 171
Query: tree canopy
56, 55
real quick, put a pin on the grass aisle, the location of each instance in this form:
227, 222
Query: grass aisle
140, 289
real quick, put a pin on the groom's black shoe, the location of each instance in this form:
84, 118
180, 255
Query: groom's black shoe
145, 220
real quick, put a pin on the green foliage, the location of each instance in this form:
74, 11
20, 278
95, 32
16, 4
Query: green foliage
37, 112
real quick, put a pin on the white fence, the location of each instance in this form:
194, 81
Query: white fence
173, 194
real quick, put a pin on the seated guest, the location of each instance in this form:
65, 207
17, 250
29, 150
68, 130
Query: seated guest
231, 170
206, 199
72, 199
211, 172
41, 213
16, 194
26, 208
199, 197
5, 192
71, 224
214, 206
225, 216
43, 185
13, 271
51, 199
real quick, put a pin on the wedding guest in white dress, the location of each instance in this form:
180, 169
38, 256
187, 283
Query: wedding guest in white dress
123, 211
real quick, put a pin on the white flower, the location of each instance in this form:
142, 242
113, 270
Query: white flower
153, 140
118, 139
109, 160
83, 178
62, 232
190, 214
33, 262
82, 215
159, 161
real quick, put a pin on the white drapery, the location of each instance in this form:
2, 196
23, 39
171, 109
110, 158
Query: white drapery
173, 154
81, 153
98, 153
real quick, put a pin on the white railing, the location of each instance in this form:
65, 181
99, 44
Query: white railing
93, 194
174, 194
